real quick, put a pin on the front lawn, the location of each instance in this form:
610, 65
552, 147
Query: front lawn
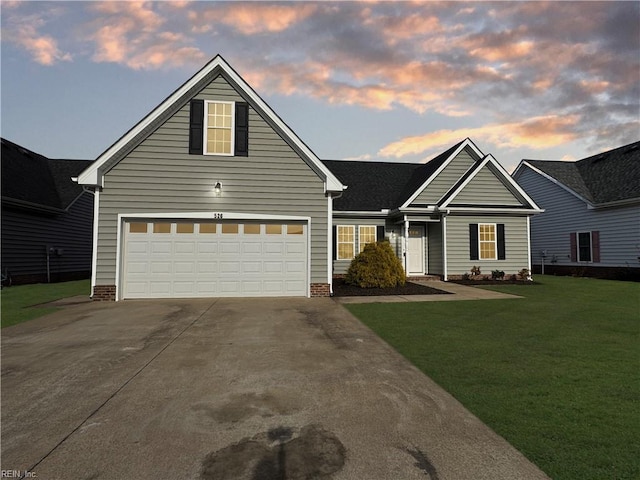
555, 373
18, 301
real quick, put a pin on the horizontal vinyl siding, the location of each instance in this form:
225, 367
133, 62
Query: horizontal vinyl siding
25, 237
565, 213
485, 189
160, 176
340, 267
445, 180
435, 264
516, 246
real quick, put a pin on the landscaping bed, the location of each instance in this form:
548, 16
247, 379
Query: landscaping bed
341, 289
490, 281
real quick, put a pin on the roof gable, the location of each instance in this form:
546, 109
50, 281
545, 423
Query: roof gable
218, 66
32, 179
441, 162
494, 183
608, 177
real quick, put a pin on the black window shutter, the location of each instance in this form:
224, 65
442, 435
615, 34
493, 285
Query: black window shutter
335, 242
242, 130
380, 233
573, 246
473, 241
196, 127
502, 254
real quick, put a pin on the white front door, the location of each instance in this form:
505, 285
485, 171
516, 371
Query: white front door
415, 251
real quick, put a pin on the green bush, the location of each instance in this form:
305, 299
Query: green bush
376, 267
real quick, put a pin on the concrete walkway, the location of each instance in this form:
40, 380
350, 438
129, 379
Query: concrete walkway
458, 292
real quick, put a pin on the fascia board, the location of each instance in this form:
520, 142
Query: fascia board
466, 143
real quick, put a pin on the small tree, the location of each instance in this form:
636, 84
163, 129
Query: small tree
376, 267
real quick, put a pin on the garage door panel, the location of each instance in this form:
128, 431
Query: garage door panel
160, 247
272, 267
184, 267
215, 263
249, 248
228, 248
207, 267
252, 267
182, 248
208, 247
137, 247
160, 267
160, 288
230, 268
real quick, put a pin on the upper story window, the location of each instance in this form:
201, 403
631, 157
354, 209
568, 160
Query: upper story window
218, 128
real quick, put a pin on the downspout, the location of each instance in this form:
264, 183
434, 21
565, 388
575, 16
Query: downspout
330, 241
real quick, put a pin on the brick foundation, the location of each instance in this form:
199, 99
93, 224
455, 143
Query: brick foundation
320, 290
104, 293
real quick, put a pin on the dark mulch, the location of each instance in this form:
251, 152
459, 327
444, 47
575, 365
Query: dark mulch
490, 281
341, 289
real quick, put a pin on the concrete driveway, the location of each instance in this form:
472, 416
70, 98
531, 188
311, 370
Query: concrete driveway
230, 389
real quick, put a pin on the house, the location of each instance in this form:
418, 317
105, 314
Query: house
47, 218
212, 194
461, 209
591, 223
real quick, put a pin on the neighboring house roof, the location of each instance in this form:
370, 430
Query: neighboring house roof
378, 186
33, 180
608, 177
94, 174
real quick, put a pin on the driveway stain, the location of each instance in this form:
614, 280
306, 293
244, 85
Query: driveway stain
242, 406
423, 463
282, 453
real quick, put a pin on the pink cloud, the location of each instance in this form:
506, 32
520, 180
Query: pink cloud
23, 31
253, 18
537, 133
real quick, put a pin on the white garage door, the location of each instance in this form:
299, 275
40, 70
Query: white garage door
180, 259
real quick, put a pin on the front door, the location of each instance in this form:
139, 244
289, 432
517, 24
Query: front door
415, 251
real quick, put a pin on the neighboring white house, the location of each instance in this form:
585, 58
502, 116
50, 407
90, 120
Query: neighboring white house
591, 223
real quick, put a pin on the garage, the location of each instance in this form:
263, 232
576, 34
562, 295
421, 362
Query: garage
169, 258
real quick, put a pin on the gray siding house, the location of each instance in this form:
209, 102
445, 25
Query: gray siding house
46, 218
591, 223
459, 210
212, 194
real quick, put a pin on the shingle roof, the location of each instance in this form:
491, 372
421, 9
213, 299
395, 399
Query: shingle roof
607, 177
374, 186
33, 178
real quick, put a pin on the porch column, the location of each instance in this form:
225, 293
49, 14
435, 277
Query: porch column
406, 245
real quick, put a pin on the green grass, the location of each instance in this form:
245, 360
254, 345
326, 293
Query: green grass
18, 301
555, 373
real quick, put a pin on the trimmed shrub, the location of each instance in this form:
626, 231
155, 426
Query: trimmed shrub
376, 267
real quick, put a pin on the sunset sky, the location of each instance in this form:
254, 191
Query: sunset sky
392, 81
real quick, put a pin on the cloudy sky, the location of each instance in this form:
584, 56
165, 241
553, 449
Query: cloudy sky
392, 81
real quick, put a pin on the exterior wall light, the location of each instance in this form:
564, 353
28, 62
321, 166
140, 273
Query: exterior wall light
217, 189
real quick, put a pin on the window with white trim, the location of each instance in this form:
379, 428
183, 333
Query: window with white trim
487, 241
219, 128
345, 240
366, 234
584, 246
